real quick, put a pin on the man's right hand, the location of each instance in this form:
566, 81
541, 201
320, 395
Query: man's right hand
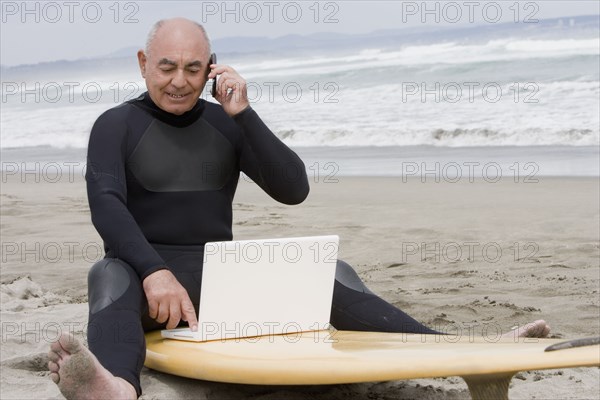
168, 300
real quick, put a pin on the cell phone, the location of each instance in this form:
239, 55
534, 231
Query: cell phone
213, 60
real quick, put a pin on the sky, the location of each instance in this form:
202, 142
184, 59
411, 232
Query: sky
41, 31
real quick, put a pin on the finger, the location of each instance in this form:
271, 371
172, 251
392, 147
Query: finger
231, 88
189, 314
221, 68
211, 74
218, 96
232, 81
174, 315
222, 86
153, 309
163, 312
229, 81
213, 71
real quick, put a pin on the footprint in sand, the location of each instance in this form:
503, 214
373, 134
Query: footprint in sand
395, 265
10, 204
22, 293
420, 231
32, 362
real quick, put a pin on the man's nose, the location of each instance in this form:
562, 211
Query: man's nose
179, 80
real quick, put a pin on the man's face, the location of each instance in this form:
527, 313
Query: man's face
176, 67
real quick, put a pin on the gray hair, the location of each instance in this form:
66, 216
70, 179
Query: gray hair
158, 24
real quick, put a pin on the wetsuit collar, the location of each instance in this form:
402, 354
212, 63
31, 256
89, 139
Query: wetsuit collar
189, 117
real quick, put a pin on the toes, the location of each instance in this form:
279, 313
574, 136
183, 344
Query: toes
53, 356
53, 367
55, 347
534, 330
540, 326
69, 344
55, 378
546, 331
530, 332
537, 329
525, 330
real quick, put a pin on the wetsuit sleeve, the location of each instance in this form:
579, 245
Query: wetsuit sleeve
107, 196
269, 162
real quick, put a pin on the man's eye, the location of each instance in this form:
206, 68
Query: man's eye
167, 69
194, 71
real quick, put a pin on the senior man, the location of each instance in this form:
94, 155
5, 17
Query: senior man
162, 173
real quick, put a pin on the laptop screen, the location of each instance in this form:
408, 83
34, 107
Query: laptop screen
265, 287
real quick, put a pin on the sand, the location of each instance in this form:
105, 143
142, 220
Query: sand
495, 254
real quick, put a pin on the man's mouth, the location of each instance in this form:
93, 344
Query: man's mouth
176, 96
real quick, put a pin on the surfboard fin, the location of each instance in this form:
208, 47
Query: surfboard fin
569, 344
489, 386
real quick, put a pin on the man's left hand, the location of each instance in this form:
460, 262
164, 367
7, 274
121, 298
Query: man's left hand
232, 92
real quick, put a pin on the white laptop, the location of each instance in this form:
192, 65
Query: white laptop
264, 287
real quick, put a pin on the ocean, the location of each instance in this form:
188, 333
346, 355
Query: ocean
470, 100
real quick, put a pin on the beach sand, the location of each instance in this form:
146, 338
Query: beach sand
493, 254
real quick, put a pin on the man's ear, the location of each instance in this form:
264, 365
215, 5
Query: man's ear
142, 62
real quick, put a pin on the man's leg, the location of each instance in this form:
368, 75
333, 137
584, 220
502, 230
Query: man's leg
115, 337
115, 333
356, 308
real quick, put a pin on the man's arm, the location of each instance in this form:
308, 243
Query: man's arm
269, 162
264, 158
107, 196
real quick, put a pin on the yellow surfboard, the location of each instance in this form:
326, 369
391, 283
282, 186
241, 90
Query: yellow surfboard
325, 357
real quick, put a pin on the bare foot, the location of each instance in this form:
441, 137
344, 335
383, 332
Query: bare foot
79, 375
535, 329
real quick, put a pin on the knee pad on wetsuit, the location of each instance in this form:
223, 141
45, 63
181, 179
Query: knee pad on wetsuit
346, 275
108, 280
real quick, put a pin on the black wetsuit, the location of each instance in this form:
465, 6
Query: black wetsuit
159, 187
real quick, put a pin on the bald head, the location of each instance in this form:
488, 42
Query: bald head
181, 25
175, 64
